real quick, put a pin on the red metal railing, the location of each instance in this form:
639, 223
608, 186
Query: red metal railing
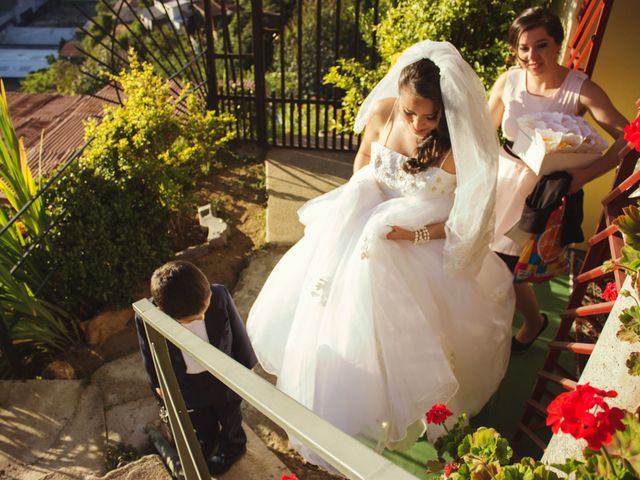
604, 245
587, 38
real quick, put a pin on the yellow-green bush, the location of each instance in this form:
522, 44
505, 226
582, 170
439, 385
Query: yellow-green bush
119, 203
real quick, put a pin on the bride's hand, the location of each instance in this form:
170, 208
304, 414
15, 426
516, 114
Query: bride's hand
399, 233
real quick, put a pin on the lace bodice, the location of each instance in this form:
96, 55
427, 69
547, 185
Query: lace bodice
387, 170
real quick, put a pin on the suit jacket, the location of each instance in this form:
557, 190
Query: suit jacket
226, 332
545, 198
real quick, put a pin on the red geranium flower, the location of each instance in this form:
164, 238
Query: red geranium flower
450, 468
632, 133
584, 413
289, 477
438, 414
599, 429
610, 292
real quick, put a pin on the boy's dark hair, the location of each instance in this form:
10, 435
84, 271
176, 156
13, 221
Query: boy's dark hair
180, 289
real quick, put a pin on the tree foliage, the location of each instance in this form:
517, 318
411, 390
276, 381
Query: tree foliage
478, 28
64, 77
331, 22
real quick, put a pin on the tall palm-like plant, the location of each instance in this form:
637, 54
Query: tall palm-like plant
26, 321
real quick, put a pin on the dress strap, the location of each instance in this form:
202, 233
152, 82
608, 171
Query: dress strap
390, 119
568, 98
444, 159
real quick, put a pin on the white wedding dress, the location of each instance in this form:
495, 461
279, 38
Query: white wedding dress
370, 333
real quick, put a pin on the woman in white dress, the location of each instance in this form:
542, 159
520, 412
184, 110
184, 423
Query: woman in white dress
540, 84
392, 301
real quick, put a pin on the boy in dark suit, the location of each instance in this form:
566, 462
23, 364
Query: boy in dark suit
183, 292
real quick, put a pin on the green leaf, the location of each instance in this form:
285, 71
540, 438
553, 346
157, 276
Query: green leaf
447, 445
629, 225
485, 447
570, 465
630, 257
630, 329
633, 364
626, 444
515, 472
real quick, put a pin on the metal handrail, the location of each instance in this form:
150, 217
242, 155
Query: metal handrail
350, 457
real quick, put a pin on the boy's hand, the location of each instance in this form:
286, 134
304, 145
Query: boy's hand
159, 392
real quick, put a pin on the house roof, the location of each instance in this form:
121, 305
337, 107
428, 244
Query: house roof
35, 36
60, 116
216, 7
124, 9
17, 62
71, 49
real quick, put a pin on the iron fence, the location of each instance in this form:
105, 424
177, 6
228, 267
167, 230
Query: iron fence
262, 60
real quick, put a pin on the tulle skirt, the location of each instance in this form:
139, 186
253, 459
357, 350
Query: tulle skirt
368, 332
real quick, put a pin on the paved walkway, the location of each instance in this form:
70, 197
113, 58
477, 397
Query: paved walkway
293, 177
51, 426
62, 427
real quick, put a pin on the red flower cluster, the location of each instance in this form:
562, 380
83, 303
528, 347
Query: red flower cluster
632, 133
610, 292
450, 468
289, 477
438, 414
584, 413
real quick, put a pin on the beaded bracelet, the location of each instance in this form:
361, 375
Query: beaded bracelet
421, 235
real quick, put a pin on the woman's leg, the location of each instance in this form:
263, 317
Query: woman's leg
527, 305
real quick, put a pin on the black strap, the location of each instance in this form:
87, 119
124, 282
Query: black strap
508, 145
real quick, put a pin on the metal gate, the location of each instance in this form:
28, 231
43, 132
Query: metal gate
262, 60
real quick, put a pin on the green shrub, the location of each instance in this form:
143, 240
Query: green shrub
478, 28
120, 203
28, 322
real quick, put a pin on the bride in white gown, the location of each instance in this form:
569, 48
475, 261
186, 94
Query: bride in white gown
392, 301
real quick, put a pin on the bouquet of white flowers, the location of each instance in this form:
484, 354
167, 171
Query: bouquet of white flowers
552, 141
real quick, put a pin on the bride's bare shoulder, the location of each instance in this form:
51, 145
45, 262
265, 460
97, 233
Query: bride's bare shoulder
380, 111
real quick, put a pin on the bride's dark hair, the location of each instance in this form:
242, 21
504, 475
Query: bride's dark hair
422, 78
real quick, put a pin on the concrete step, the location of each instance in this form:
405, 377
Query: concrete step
292, 178
149, 467
128, 402
258, 463
129, 406
51, 429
